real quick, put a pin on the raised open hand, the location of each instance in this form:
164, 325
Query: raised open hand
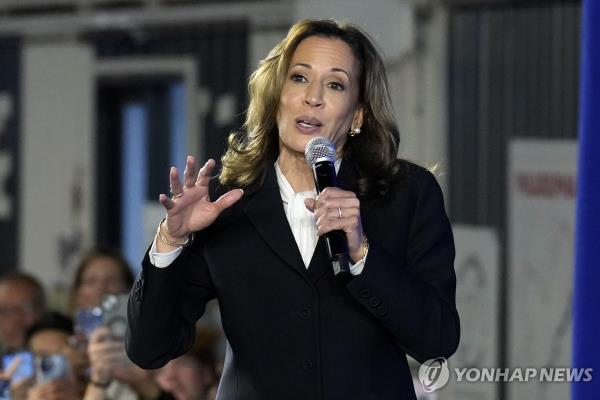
191, 209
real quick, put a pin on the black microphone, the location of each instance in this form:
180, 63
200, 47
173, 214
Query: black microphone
320, 155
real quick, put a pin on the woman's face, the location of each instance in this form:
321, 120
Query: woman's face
102, 276
182, 378
319, 96
51, 341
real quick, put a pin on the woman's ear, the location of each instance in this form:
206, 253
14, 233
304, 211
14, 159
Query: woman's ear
357, 121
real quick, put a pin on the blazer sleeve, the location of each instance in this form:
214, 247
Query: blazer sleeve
414, 298
164, 305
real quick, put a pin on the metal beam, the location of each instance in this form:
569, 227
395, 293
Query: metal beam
257, 13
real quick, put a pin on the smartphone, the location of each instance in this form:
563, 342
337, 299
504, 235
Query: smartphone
24, 370
86, 320
51, 367
114, 313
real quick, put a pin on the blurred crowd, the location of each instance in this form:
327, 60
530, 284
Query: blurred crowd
80, 353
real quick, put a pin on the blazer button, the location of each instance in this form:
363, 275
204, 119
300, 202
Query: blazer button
381, 311
364, 293
306, 364
305, 313
374, 302
137, 289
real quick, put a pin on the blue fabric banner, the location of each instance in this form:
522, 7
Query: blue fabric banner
586, 302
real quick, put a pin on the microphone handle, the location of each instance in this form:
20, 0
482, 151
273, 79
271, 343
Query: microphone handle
335, 241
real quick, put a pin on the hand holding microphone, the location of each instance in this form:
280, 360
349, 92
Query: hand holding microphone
337, 211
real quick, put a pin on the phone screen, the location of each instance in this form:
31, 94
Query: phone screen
86, 320
114, 313
24, 370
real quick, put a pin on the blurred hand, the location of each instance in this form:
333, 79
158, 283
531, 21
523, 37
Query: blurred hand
337, 209
132, 374
140, 380
6, 374
109, 361
191, 209
58, 389
105, 354
19, 390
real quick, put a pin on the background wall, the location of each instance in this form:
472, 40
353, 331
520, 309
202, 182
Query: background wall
57, 164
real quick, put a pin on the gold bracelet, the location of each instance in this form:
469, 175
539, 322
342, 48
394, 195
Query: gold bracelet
365, 242
163, 239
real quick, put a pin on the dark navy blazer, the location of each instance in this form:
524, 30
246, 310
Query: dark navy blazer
298, 333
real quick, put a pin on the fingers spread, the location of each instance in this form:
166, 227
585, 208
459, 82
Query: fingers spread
166, 201
228, 199
205, 173
189, 175
174, 183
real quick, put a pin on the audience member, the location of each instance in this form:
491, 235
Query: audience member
100, 369
191, 376
51, 337
104, 271
22, 304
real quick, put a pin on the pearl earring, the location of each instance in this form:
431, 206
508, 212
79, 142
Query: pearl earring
354, 132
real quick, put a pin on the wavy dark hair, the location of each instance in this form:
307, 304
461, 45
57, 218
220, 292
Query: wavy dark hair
374, 151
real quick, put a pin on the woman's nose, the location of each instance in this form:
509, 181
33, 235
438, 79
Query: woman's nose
314, 95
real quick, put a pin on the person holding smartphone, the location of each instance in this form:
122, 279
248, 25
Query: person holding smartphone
22, 305
58, 367
103, 271
49, 369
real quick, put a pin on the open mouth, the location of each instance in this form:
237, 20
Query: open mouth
308, 123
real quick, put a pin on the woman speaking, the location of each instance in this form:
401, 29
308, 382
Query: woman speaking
253, 237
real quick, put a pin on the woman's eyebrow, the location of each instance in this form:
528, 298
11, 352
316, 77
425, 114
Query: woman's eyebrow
341, 70
334, 69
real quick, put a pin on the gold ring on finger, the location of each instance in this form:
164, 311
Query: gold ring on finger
176, 196
339, 213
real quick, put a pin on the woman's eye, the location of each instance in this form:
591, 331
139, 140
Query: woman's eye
336, 86
297, 78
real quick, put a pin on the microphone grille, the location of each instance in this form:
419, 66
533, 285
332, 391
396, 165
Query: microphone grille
319, 149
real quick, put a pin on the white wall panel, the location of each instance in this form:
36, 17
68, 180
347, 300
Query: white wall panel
57, 160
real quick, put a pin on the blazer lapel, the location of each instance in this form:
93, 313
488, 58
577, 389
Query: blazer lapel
319, 263
265, 211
